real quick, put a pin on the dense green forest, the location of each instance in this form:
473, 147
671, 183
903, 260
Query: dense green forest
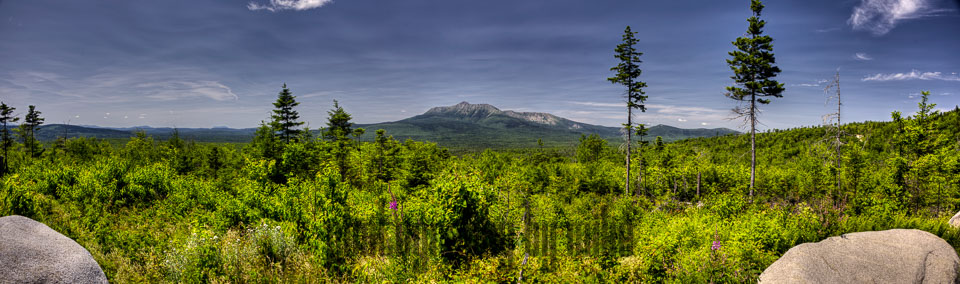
331, 207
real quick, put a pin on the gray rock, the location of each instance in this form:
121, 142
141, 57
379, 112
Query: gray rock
955, 221
31, 252
892, 256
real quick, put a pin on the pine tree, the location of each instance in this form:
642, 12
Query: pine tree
28, 132
753, 69
6, 139
265, 142
338, 123
284, 117
357, 133
628, 70
641, 132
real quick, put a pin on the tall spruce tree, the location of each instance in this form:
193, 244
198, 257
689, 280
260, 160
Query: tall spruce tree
628, 72
284, 117
6, 139
641, 132
357, 133
28, 132
338, 123
753, 68
338, 130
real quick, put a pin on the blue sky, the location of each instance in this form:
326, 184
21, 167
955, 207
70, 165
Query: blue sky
221, 63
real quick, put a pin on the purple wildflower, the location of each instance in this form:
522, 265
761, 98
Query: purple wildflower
393, 205
715, 246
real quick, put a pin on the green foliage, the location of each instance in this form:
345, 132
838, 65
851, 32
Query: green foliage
590, 149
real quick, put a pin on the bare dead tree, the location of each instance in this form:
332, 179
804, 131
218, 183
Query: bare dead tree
833, 119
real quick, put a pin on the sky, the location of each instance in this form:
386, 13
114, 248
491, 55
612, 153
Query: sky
191, 63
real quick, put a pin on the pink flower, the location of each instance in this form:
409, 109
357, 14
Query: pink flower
715, 246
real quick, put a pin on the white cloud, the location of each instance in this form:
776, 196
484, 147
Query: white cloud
817, 84
881, 16
704, 123
862, 56
827, 30
599, 104
174, 90
280, 5
913, 75
681, 120
671, 109
917, 95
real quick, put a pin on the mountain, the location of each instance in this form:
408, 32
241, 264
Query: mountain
483, 125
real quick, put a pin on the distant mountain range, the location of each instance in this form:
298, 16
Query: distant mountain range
223, 135
463, 125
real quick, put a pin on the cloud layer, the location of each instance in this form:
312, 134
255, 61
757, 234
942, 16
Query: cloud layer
913, 75
881, 16
280, 5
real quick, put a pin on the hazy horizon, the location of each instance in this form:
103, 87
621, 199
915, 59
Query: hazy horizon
194, 64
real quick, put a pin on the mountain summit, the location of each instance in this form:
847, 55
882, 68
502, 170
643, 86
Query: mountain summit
466, 110
487, 113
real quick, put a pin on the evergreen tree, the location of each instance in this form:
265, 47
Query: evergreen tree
641, 132
338, 129
590, 148
265, 142
385, 159
357, 133
284, 117
628, 70
28, 132
921, 131
6, 139
753, 69
338, 123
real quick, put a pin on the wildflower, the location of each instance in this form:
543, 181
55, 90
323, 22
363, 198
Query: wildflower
393, 205
715, 246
